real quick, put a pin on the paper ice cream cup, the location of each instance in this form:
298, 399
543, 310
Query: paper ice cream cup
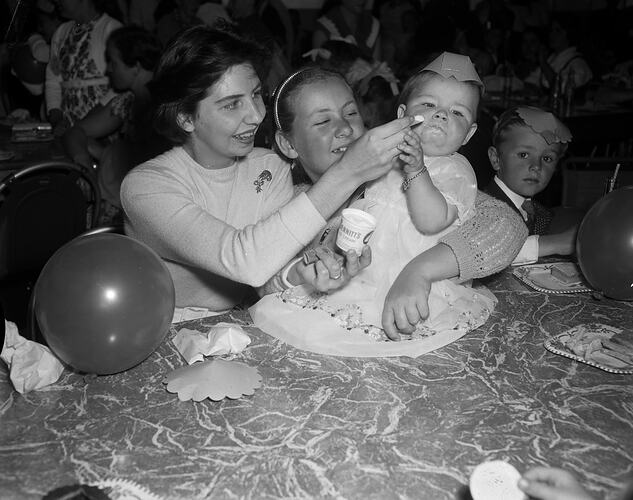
355, 230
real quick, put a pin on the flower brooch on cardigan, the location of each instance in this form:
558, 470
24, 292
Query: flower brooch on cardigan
264, 177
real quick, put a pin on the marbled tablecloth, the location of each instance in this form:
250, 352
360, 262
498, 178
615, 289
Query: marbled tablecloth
324, 427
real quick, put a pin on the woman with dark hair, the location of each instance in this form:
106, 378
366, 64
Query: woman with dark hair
117, 133
220, 212
75, 76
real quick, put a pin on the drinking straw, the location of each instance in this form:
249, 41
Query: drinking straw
614, 177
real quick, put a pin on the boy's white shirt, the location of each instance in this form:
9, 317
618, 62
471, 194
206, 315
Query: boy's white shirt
529, 252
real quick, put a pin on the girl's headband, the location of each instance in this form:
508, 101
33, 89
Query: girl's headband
278, 93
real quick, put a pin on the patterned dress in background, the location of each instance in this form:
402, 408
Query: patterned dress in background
76, 78
83, 85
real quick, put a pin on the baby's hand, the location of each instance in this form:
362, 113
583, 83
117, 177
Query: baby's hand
411, 153
548, 483
406, 304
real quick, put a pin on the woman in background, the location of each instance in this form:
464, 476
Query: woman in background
117, 133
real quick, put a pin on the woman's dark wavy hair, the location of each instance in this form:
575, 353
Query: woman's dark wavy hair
194, 61
136, 45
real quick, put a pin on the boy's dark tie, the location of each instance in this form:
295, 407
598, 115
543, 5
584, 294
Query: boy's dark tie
528, 207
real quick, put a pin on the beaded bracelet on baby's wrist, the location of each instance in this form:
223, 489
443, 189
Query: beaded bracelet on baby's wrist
407, 181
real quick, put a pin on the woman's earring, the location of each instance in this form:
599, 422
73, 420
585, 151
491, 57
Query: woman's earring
293, 165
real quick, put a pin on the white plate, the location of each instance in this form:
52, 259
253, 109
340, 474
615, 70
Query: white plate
540, 278
558, 345
495, 480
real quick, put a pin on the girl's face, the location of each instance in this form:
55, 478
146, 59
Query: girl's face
121, 75
524, 161
326, 122
449, 109
224, 125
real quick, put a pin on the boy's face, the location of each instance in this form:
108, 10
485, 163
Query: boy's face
449, 109
524, 161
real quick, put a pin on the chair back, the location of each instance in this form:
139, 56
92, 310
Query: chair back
42, 207
585, 179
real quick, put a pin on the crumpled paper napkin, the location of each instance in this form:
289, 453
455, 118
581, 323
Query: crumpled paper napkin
221, 339
31, 364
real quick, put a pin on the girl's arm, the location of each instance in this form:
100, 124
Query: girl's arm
429, 210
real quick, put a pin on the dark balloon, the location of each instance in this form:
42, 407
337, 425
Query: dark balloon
605, 244
104, 303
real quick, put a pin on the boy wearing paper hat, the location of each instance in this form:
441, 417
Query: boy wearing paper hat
528, 144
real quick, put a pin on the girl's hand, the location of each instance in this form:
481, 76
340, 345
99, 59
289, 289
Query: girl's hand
406, 304
548, 483
412, 154
375, 152
332, 271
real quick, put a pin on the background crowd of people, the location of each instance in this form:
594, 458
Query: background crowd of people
54, 61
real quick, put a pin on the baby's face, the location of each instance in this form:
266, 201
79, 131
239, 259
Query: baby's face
524, 161
449, 109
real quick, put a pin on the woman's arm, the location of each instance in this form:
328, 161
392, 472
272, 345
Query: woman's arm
485, 244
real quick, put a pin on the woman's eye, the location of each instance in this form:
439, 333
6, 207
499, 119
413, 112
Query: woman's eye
523, 155
428, 105
232, 105
322, 122
352, 113
548, 159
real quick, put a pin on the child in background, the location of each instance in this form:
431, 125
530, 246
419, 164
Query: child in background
414, 206
527, 145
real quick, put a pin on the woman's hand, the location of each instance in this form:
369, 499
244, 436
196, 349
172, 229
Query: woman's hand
331, 271
548, 483
406, 304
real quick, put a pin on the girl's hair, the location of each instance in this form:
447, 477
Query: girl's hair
136, 45
283, 97
283, 101
415, 81
194, 61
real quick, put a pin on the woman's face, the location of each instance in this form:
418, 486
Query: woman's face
326, 122
224, 125
121, 76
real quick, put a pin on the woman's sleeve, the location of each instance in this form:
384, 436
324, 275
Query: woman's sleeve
489, 241
163, 214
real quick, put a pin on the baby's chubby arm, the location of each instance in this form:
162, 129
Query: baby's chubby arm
429, 210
